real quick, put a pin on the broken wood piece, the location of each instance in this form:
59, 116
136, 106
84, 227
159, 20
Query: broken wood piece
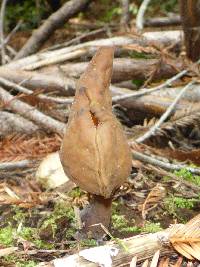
11, 123
31, 113
165, 165
22, 89
172, 20
9, 166
35, 80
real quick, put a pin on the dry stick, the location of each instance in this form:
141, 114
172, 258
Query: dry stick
14, 30
140, 14
24, 90
9, 166
31, 113
167, 113
163, 21
125, 16
57, 59
154, 89
35, 80
2, 15
56, 20
162, 164
75, 40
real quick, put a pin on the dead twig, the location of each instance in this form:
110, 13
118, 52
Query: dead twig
125, 16
22, 164
2, 16
14, 30
24, 90
145, 91
140, 14
162, 164
76, 40
167, 113
31, 113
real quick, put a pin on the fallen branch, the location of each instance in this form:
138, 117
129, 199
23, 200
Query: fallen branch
167, 113
165, 165
164, 37
31, 113
76, 40
2, 15
57, 19
125, 16
173, 20
24, 90
140, 14
14, 123
35, 80
10, 166
58, 59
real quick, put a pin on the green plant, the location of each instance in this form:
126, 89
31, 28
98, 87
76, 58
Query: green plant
174, 204
151, 227
26, 11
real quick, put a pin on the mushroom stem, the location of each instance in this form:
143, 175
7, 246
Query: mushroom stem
97, 212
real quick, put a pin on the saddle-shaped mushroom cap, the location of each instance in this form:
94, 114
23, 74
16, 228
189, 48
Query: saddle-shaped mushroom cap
95, 153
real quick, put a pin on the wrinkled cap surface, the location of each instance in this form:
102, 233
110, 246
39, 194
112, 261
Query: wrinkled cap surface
94, 152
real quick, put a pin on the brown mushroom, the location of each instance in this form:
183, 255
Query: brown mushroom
95, 153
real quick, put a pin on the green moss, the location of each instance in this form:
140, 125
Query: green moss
151, 227
26, 264
76, 192
7, 235
70, 233
18, 262
19, 214
140, 55
188, 176
88, 243
40, 244
61, 210
122, 225
119, 222
137, 82
174, 204
131, 229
